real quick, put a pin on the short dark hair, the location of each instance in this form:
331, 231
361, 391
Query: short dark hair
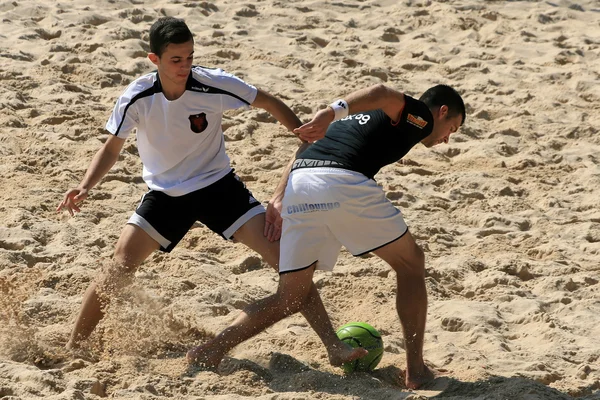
441, 95
168, 30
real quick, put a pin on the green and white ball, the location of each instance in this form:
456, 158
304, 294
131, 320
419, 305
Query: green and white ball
360, 334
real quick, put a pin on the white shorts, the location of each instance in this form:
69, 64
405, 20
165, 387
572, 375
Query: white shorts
325, 208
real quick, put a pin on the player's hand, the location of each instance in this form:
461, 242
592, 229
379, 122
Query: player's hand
316, 128
273, 220
72, 197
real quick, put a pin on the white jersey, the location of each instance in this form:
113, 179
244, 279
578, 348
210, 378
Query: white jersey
180, 142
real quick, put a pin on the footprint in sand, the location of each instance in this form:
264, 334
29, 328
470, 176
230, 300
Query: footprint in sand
238, 132
376, 72
136, 16
228, 54
206, 7
264, 116
247, 11
248, 264
511, 191
46, 35
15, 238
416, 171
257, 154
506, 150
391, 35
93, 20
458, 194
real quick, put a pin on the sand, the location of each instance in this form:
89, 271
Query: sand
507, 212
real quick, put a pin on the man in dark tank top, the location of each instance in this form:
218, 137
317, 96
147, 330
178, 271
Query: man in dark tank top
331, 200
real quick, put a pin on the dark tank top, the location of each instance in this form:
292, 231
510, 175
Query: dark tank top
368, 141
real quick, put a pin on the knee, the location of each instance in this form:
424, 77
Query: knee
411, 264
123, 262
294, 290
115, 275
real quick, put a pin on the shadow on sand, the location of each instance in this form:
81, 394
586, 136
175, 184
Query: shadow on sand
286, 374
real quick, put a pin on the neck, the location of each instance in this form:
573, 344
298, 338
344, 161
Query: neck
173, 92
170, 89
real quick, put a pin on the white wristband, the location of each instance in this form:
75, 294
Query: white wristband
340, 109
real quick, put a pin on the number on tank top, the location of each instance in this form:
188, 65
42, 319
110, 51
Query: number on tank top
361, 118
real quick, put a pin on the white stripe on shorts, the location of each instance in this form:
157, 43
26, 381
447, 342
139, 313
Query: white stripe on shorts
140, 221
254, 211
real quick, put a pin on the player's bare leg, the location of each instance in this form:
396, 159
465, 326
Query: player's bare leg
251, 234
132, 248
291, 297
408, 260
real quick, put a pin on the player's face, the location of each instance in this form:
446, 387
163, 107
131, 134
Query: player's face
175, 62
443, 127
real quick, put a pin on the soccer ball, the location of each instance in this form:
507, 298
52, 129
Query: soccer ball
360, 334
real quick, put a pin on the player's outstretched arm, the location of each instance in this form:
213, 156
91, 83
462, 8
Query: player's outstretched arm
102, 162
282, 113
374, 97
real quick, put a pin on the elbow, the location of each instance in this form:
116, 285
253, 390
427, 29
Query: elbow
380, 89
382, 94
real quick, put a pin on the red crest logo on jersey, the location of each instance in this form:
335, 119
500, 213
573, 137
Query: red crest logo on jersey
198, 122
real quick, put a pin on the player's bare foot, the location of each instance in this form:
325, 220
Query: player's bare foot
204, 357
71, 345
343, 353
416, 379
74, 345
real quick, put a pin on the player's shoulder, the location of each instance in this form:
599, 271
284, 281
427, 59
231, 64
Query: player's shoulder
416, 106
199, 72
143, 84
412, 102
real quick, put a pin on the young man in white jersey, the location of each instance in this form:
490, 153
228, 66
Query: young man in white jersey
332, 200
177, 111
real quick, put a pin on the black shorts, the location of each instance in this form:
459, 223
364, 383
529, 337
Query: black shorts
224, 207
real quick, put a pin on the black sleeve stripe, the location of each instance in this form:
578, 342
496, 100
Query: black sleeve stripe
148, 92
195, 86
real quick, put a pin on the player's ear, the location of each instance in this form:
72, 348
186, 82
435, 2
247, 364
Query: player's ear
153, 58
443, 111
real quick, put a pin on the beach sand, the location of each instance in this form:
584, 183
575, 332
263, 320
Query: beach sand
507, 212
